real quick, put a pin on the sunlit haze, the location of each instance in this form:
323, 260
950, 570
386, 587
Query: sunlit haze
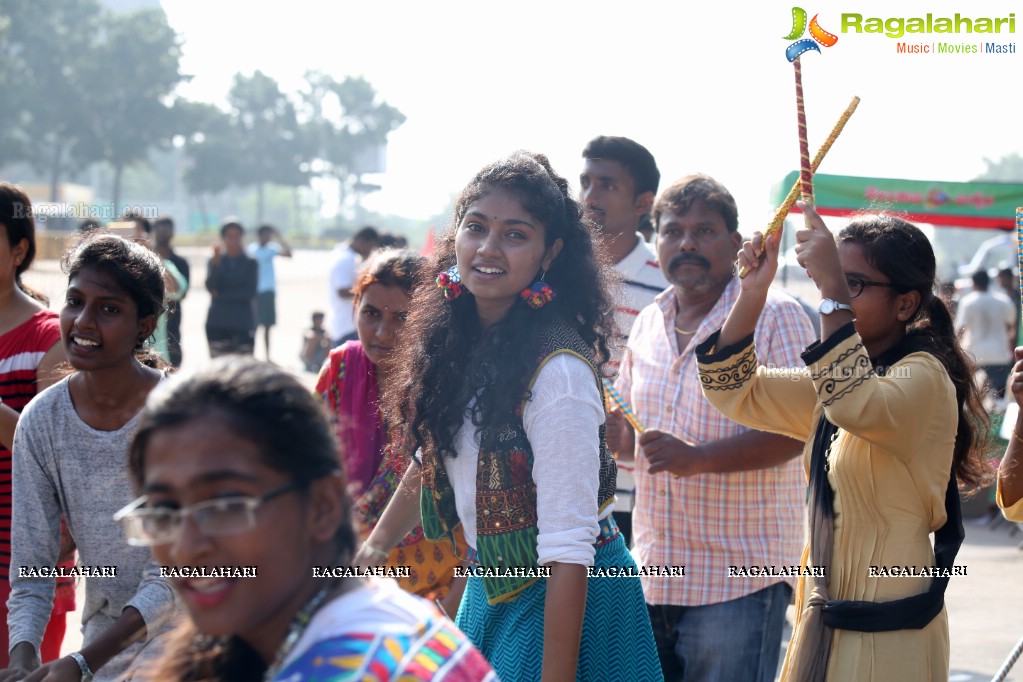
705, 86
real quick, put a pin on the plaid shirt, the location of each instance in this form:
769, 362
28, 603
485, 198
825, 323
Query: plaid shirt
711, 521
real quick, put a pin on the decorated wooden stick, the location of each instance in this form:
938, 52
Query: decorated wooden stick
1019, 245
616, 397
790, 199
805, 173
1015, 653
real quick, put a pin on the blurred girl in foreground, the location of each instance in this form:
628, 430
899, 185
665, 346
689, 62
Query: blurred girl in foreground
237, 467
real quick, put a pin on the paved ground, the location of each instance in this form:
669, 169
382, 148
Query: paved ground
985, 607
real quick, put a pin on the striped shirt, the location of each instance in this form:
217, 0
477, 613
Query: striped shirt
709, 522
21, 350
642, 280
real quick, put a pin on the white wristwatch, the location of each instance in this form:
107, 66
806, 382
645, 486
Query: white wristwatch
80, 660
829, 306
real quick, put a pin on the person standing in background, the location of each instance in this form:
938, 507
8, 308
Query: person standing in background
1008, 281
987, 321
347, 258
231, 279
264, 251
163, 234
617, 188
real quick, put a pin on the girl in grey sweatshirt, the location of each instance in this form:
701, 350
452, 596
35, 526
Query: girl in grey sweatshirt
70, 458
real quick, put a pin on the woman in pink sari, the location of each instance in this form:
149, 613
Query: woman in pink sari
350, 383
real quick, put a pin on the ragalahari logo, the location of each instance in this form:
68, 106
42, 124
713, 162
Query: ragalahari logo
817, 35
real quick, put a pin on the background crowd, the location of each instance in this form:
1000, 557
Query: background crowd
468, 392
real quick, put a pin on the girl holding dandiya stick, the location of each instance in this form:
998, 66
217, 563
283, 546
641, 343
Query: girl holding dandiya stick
892, 421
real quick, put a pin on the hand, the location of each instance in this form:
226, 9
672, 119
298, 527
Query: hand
817, 252
13, 674
217, 252
760, 273
665, 452
23, 661
62, 670
1016, 378
613, 425
366, 558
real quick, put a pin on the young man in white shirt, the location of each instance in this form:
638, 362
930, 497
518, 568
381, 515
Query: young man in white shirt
618, 184
342, 279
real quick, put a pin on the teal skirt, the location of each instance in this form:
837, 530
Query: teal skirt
617, 641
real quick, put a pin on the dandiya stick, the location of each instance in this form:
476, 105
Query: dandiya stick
1015, 653
805, 173
616, 397
1019, 245
790, 198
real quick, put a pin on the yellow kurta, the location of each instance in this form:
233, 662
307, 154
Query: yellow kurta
889, 469
1013, 512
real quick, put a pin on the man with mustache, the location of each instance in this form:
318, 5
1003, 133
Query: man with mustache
710, 494
617, 188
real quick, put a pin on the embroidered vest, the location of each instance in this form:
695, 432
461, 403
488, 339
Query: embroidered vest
506, 514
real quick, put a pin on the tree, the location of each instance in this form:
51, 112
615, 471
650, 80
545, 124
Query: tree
211, 144
345, 121
1007, 169
273, 148
134, 69
45, 102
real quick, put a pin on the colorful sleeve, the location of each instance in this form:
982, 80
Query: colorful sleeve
438, 652
879, 409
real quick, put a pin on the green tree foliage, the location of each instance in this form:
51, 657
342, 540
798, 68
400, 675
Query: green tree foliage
211, 143
46, 98
131, 77
272, 146
345, 121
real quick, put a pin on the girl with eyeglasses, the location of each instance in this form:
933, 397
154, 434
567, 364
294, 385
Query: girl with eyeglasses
69, 459
238, 471
892, 422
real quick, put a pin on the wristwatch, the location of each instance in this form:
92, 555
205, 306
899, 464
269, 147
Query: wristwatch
80, 660
829, 306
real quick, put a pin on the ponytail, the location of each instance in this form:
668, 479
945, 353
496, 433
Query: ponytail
974, 422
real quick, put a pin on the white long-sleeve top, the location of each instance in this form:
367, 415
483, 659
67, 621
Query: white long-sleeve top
561, 419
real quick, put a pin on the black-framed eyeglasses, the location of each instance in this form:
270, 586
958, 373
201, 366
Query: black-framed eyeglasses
858, 284
147, 526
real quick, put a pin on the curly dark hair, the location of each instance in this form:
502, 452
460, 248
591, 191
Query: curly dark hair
446, 357
903, 254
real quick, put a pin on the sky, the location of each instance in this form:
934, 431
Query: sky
705, 86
